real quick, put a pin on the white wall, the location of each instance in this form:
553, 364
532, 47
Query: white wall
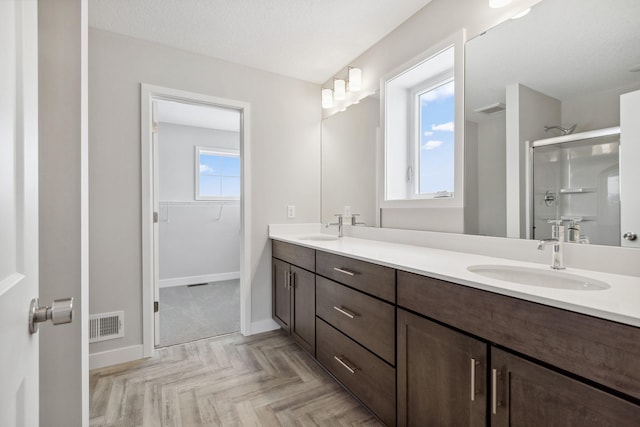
195, 240
492, 204
349, 141
528, 111
285, 149
429, 26
62, 133
595, 110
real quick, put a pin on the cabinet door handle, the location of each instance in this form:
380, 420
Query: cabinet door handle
474, 363
494, 391
292, 280
345, 312
287, 279
346, 366
342, 270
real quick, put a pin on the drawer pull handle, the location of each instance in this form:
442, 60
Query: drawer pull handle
346, 366
494, 391
474, 363
345, 312
347, 272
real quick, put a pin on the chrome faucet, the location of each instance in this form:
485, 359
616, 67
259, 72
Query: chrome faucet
354, 221
557, 238
339, 224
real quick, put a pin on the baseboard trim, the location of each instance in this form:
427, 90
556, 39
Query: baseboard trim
194, 280
115, 356
263, 326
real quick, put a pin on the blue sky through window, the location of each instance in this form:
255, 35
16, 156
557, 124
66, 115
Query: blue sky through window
436, 153
219, 175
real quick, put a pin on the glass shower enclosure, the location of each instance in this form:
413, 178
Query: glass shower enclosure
575, 179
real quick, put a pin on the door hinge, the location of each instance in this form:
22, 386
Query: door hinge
154, 127
155, 306
155, 217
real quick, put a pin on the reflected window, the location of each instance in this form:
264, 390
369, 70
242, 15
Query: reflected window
435, 145
218, 174
423, 154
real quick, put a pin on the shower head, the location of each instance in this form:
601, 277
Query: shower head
565, 131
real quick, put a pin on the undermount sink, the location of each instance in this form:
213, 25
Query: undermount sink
535, 277
320, 237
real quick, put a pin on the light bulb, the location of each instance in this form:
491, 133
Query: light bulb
327, 98
355, 79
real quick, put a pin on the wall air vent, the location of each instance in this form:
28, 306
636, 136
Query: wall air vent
491, 109
106, 326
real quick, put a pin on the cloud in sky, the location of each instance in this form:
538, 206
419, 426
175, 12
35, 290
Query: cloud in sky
431, 144
446, 127
428, 133
444, 91
205, 169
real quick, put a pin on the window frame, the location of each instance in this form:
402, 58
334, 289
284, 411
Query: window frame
199, 150
385, 200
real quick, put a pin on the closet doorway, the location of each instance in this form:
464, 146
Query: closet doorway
198, 235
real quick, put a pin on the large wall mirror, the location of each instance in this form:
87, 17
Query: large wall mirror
566, 62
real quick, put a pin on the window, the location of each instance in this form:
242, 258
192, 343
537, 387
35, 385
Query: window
217, 174
423, 136
434, 143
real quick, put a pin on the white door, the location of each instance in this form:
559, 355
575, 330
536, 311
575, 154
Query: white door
19, 389
629, 170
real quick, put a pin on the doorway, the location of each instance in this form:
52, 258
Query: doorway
197, 189
195, 216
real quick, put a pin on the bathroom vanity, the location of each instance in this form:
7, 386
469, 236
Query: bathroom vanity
420, 340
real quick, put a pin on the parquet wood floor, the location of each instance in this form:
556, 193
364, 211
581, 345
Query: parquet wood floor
261, 380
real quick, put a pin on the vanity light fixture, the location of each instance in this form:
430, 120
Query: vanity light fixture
355, 79
339, 89
495, 4
327, 98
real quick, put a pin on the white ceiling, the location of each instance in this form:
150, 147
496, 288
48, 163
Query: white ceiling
305, 39
563, 48
198, 115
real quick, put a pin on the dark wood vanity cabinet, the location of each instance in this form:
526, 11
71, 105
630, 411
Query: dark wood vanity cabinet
419, 351
355, 325
441, 375
294, 291
527, 394
519, 390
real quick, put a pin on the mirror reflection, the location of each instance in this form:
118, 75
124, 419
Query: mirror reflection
349, 141
558, 70
553, 80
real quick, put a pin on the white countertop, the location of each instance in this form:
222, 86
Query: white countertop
620, 303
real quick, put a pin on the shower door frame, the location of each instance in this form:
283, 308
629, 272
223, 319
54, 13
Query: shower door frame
583, 136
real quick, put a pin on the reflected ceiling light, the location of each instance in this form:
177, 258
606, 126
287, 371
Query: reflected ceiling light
327, 98
521, 14
495, 4
355, 79
339, 89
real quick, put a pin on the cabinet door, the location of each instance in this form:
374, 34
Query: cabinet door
281, 294
441, 375
526, 394
303, 326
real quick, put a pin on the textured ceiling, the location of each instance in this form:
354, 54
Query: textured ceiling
563, 48
305, 39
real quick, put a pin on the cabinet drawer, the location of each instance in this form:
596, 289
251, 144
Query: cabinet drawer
369, 378
294, 254
373, 279
367, 320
